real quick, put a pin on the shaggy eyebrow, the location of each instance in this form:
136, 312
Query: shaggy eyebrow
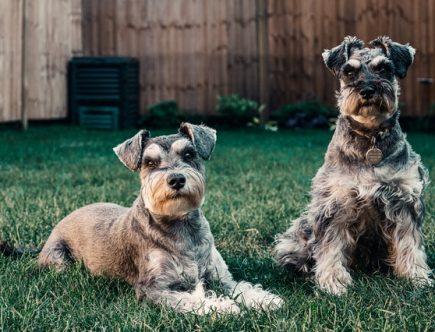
379, 60
180, 145
154, 151
354, 63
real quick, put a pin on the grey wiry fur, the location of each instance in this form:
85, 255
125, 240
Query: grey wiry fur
363, 215
162, 245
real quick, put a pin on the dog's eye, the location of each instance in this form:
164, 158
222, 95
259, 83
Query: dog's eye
188, 155
151, 163
349, 71
383, 69
350, 74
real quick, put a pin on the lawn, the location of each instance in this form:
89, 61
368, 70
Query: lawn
257, 183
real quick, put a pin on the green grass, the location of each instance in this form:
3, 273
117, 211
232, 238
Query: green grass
257, 183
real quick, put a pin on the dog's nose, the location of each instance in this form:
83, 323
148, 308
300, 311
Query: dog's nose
176, 181
367, 92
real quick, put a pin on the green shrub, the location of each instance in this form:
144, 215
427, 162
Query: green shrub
161, 115
237, 108
305, 114
310, 108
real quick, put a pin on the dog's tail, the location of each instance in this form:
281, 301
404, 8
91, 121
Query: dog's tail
9, 250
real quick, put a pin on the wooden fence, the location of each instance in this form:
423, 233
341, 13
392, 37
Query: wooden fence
37, 37
300, 30
189, 50
194, 50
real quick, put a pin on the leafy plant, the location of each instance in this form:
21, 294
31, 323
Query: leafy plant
241, 111
162, 114
270, 125
306, 114
236, 107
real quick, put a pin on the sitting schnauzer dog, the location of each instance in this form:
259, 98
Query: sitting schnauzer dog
162, 245
366, 208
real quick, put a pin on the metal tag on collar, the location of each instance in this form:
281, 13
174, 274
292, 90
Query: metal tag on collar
373, 155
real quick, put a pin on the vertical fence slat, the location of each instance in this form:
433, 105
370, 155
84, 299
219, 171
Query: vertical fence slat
10, 60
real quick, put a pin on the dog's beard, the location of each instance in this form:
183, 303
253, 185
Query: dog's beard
161, 200
370, 113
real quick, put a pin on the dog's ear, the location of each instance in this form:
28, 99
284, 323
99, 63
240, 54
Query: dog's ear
203, 137
337, 57
130, 152
401, 55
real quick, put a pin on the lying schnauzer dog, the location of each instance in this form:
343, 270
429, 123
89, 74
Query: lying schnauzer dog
162, 245
366, 208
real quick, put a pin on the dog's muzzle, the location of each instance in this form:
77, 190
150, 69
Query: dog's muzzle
174, 192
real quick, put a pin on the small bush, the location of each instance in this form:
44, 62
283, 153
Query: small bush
306, 114
161, 115
237, 110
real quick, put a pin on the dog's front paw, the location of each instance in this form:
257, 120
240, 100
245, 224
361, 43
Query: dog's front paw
269, 302
418, 275
334, 282
227, 306
219, 305
422, 281
259, 299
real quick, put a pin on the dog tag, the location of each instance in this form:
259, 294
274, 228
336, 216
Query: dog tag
374, 155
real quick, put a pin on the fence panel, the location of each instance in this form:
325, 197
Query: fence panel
10, 59
301, 30
52, 35
189, 50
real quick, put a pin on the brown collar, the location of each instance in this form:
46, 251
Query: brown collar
373, 155
382, 131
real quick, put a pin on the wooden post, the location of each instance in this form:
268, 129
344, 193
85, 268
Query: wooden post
24, 115
263, 57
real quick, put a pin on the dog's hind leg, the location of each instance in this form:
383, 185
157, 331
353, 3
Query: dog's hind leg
293, 248
55, 253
